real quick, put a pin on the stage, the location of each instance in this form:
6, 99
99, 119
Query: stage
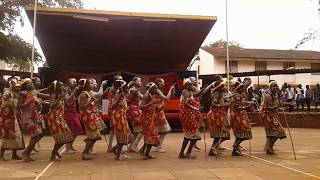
167, 166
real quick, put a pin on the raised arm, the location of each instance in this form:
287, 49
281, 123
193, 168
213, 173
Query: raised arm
169, 95
185, 95
100, 93
84, 100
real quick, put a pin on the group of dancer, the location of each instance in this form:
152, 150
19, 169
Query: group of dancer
136, 113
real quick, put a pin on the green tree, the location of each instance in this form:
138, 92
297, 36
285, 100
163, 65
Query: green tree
312, 35
222, 44
13, 50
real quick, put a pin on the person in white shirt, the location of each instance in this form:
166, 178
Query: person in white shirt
290, 96
300, 96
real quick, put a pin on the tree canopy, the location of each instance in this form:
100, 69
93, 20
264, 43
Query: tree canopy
13, 50
312, 35
222, 44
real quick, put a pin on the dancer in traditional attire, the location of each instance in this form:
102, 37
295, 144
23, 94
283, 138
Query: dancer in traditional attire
110, 95
160, 117
134, 112
119, 120
71, 91
98, 96
88, 116
10, 131
30, 106
240, 122
150, 131
190, 117
270, 107
218, 118
57, 125
194, 83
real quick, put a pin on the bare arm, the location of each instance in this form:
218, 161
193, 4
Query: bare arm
43, 95
54, 101
42, 90
146, 101
267, 103
137, 94
197, 92
207, 88
85, 101
68, 98
99, 94
184, 97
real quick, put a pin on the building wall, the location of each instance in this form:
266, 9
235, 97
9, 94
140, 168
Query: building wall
212, 65
3, 65
206, 63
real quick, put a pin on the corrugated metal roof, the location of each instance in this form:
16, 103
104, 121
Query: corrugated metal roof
262, 54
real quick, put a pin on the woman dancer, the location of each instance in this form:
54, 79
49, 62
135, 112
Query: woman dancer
119, 120
240, 122
218, 118
160, 117
134, 113
56, 123
10, 131
70, 111
150, 131
88, 116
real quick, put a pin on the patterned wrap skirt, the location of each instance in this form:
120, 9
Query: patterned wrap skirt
150, 131
134, 116
240, 124
121, 126
272, 125
217, 122
58, 127
16, 141
161, 122
190, 121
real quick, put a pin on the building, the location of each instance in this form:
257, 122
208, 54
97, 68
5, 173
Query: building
213, 61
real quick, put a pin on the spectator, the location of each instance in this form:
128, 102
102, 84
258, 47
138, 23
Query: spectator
307, 97
290, 96
300, 97
316, 96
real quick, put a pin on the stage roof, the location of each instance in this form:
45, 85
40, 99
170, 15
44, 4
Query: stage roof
95, 41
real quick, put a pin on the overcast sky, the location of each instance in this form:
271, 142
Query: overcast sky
270, 24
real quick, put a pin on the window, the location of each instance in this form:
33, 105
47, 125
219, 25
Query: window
287, 65
233, 66
260, 66
315, 66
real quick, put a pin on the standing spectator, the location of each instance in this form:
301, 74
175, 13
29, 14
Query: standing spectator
290, 96
316, 96
307, 97
300, 97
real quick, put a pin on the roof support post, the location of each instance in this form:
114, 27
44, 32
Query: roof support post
34, 34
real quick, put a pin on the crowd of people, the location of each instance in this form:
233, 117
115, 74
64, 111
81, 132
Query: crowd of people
302, 96
136, 112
